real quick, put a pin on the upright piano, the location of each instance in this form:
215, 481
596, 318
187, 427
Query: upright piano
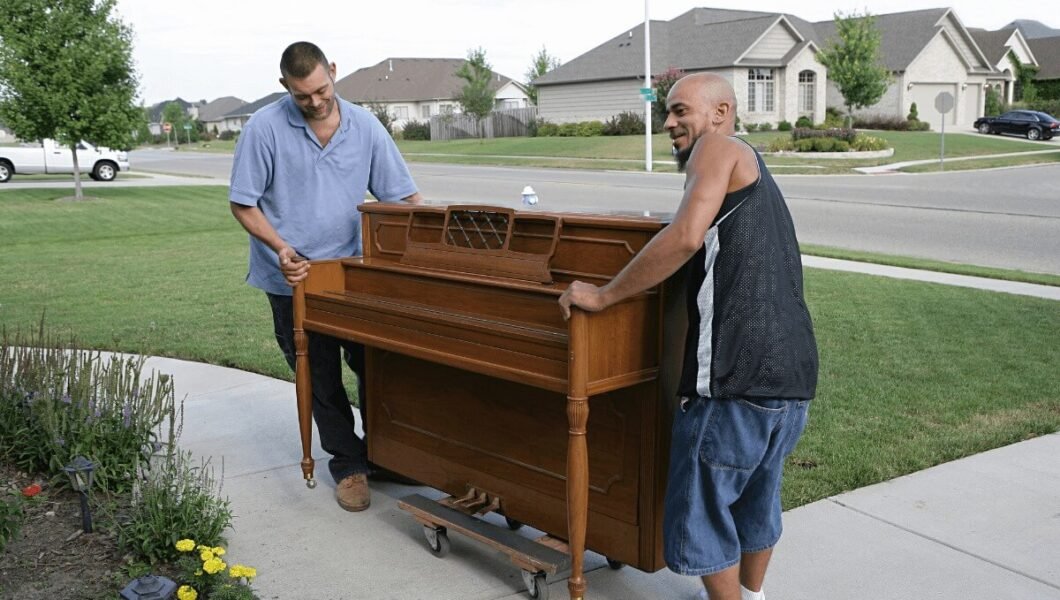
478, 387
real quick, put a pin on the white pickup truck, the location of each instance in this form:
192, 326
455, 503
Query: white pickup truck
101, 164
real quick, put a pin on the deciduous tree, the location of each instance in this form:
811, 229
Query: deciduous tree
853, 61
66, 73
477, 95
542, 63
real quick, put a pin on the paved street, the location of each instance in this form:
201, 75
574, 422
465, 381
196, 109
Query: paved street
1006, 218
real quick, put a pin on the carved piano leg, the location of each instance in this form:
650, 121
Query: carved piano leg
303, 387
577, 453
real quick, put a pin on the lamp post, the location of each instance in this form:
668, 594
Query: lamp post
149, 587
80, 473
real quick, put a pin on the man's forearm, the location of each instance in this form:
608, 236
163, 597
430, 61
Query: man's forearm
255, 223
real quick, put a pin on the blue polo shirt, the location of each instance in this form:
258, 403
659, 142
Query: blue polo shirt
310, 193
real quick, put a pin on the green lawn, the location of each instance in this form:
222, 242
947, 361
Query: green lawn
912, 374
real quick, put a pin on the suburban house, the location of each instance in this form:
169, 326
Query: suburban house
1001, 47
769, 58
235, 119
415, 89
212, 114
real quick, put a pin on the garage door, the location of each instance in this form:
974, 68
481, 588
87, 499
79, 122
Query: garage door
924, 95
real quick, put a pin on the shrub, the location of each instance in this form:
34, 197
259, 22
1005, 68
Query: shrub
173, 499
822, 144
913, 114
846, 135
414, 130
626, 123
228, 135
833, 119
992, 104
867, 143
803, 122
781, 144
751, 127
765, 127
383, 114
57, 403
546, 129
784, 126
919, 126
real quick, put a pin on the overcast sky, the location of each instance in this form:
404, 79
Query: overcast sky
204, 49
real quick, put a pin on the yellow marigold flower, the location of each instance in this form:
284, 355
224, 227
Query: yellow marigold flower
214, 565
186, 592
185, 545
236, 571
250, 572
206, 555
218, 551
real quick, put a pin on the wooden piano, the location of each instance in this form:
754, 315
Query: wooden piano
476, 385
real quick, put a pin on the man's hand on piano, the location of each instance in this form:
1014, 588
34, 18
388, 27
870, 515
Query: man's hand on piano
294, 266
585, 296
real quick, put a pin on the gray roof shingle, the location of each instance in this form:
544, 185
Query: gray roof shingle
217, 109
701, 38
248, 109
1047, 51
992, 43
408, 80
903, 36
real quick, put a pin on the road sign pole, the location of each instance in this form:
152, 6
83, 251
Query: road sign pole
647, 84
942, 145
944, 104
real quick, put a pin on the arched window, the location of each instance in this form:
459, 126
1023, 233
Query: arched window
807, 92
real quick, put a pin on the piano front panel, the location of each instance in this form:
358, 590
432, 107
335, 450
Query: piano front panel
452, 429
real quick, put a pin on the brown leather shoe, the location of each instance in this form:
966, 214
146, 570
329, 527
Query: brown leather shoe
352, 493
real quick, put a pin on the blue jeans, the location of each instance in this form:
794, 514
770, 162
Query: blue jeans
331, 406
723, 494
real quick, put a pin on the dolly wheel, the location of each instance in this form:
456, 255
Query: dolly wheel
437, 540
536, 586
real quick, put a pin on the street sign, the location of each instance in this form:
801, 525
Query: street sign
167, 127
187, 126
944, 102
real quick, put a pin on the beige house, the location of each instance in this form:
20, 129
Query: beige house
213, 114
769, 58
415, 89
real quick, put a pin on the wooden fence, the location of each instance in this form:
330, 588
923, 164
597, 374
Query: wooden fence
513, 122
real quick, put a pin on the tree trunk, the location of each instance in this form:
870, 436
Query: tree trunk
78, 195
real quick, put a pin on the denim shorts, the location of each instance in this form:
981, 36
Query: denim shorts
723, 493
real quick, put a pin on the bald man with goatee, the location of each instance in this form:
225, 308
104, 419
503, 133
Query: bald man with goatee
750, 358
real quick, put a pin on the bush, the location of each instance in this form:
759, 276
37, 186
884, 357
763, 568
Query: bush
992, 104
547, 129
750, 127
785, 125
57, 403
846, 135
803, 122
833, 119
383, 115
868, 143
887, 123
414, 130
913, 114
580, 129
174, 499
822, 144
626, 123
765, 127
228, 135
781, 144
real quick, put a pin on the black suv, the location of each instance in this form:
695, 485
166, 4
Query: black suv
1031, 123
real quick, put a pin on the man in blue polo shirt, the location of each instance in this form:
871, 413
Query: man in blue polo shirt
302, 166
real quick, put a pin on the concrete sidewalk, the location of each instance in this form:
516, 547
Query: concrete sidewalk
986, 527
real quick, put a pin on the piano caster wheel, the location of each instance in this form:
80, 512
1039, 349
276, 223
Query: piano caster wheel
311, 483
513, 524
615, 564
437, 540
536, 586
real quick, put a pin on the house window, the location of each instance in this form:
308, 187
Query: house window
508, 104
425, 111
807, 92
760, 89
445, 108
401, 113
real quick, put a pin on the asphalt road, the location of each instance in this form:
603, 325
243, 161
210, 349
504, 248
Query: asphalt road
1008, 218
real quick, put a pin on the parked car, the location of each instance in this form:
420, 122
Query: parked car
1031, 123
101, 164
